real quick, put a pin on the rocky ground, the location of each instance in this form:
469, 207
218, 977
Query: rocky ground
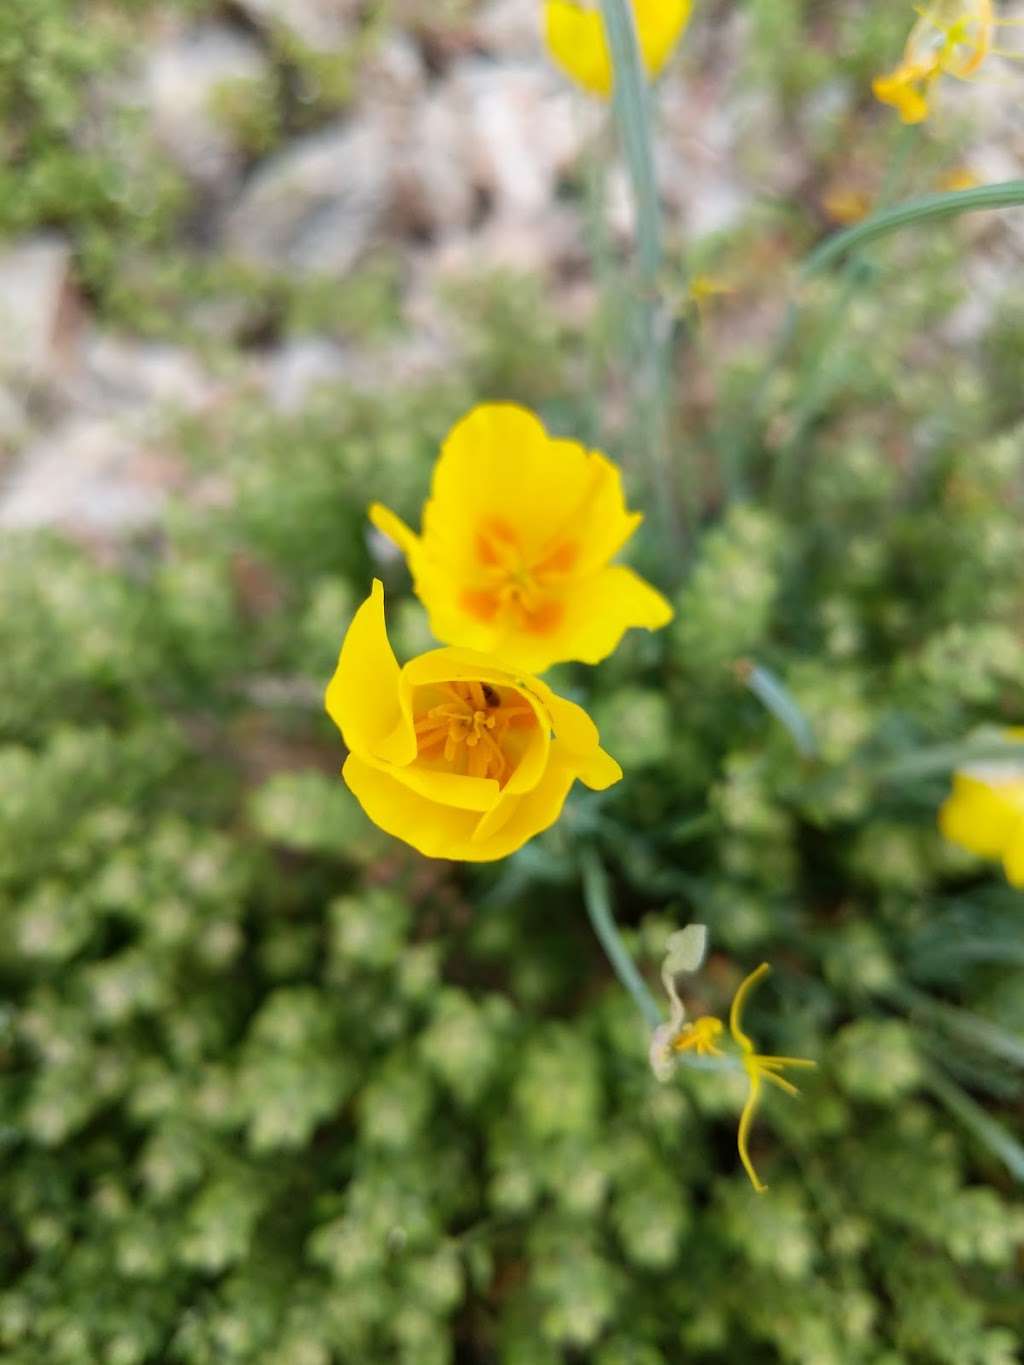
459, 150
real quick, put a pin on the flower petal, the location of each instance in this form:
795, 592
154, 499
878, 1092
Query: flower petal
659, 26
598, 613
576, 40
436, 831
981, 816
364, 698
439, 831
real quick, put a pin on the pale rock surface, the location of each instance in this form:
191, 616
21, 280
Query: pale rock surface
323, 25
88, 474
37, 308
182, 77
315, 207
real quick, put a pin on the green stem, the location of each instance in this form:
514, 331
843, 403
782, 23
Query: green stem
597, 897
986, 1129
928, 209
632, 112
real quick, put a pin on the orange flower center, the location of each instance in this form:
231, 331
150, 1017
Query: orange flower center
515, 586
474, 729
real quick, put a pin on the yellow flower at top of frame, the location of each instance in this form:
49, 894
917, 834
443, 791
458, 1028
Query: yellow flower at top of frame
576, 38
513, 559
985, 812
457, 754
951, 38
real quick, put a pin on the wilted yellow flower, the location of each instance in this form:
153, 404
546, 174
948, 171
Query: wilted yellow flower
455, 753
758, 1068
575, 35
517, 535
962, 178
700, 1036
985, 812
950, 38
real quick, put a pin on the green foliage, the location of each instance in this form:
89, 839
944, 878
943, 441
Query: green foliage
273, 1091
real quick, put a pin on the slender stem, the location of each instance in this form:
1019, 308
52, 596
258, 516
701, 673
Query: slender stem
985, 1128
632, 111
929, 208
597, 896
775, 697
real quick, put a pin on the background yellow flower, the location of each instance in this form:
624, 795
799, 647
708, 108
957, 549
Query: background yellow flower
577, 41
455, 754
517, 535
985, 813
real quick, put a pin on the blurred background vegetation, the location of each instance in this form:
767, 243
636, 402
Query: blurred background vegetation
275, 1090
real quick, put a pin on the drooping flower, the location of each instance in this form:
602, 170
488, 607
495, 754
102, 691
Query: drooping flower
683, 956
456, 753
759, 1068
985, 811
575, 35
950, 38
518, 532
701, 1036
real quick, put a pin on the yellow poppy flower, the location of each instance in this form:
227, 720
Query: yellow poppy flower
455, 753
985, 812
758, 1068
951, 38
517, 535
576, 38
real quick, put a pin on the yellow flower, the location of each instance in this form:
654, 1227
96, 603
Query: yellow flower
517, 535
758, 1068
456, 753
701, 1036
951, 38
575, 35
985, 812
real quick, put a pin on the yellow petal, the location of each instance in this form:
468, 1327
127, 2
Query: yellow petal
903, 94
598, 612
576, 40
392, 526
447, 788
439, 831
578, 742
364, 698
499, 466
746, 1121
659, 26
1013, 856
980, 816
525, 816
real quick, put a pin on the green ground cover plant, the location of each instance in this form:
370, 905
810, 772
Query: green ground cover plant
275, 1090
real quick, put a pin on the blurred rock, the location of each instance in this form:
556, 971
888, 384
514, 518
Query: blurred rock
316, 207
510, 28
524, 133
488, 141
437, 194
118, 372
38, 308
87, 475
323, 25
182, 78
301, 366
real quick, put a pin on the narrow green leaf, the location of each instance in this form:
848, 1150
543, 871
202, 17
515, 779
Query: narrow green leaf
985, 746
632, 109
776, 698
930, 208
989, 1131
961, 1024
